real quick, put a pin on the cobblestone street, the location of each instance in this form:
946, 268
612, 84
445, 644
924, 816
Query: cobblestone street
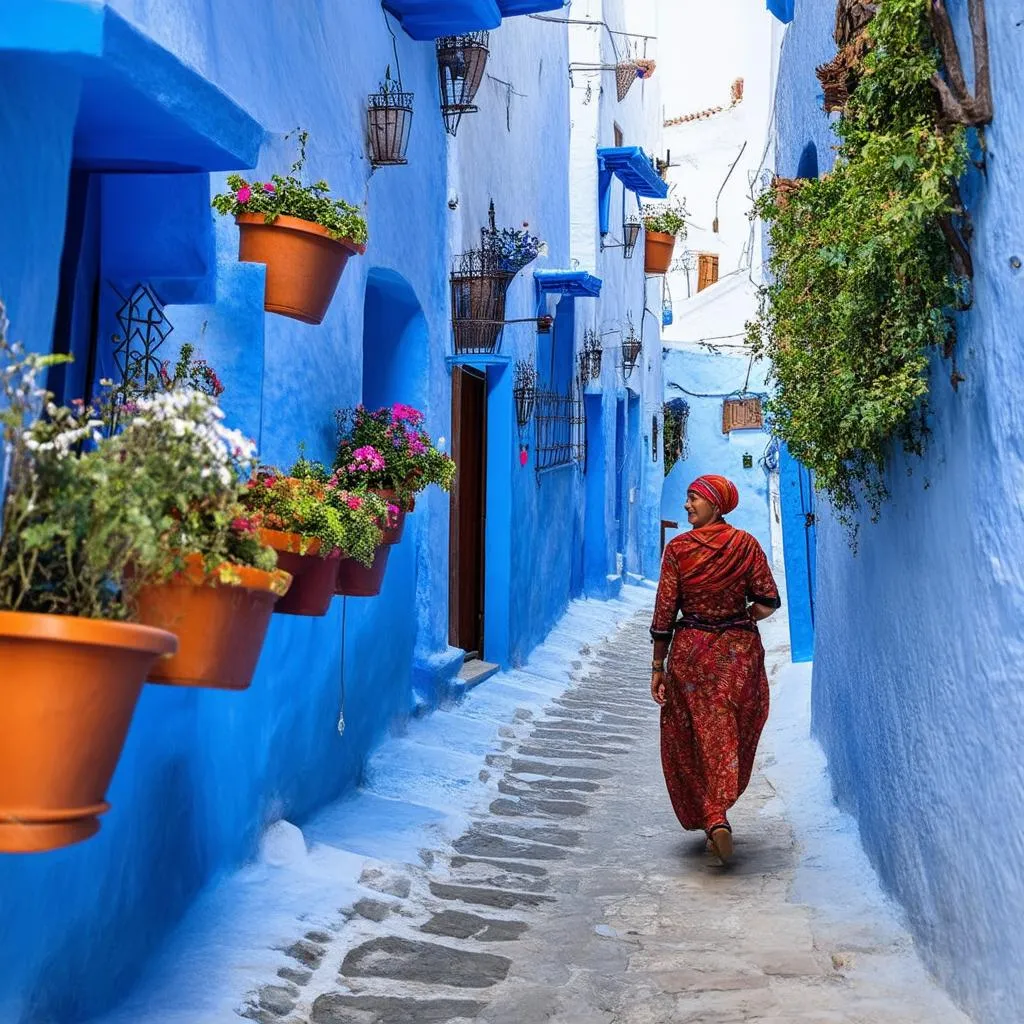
574, 897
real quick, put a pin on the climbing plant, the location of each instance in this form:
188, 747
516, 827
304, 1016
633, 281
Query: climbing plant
677, 445
869, 262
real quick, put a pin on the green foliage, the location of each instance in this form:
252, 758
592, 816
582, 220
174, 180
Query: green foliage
285, 194
676, 416
389, 450
669, 218
313, 503
863, 278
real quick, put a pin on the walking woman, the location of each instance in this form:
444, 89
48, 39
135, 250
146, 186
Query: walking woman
714, 696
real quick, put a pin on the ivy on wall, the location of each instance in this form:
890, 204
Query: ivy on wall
869, 262
677, 445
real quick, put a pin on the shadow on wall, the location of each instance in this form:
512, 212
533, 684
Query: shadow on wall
395, 342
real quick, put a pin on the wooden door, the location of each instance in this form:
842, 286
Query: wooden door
468, 511
707, 270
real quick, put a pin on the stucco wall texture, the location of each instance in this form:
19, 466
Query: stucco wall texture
918, 694
203, 773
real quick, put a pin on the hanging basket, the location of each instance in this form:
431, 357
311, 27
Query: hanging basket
625, 76
220, 619
852, 17
304, 264
478, 291
313, 575
393, 534
68, 690
631, 349
358, 580
524, 392
461, 61
839, 77
388, 122
658, 249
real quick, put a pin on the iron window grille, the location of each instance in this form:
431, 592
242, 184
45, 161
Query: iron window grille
560, 421
388, 121
144, 329
461, 61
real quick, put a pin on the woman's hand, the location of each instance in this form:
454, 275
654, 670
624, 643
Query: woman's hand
658, 680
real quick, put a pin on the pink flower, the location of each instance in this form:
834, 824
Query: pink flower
244, 194
242, 525
269, 481
270, 187
406, 413
354, 503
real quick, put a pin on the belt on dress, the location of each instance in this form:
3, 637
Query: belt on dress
714, 625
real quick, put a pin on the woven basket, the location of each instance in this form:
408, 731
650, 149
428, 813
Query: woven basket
625, 76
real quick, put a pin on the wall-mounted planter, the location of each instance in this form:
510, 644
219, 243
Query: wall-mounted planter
393, 535
220, 620
68, 689
304, 264
358, 580
658, 250
313, 576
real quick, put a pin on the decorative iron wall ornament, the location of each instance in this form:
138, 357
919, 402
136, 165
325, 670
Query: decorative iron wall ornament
591, 355
461, 61
388, 121
144, 329
524, 392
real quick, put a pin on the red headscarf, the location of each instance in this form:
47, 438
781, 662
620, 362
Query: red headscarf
720, 492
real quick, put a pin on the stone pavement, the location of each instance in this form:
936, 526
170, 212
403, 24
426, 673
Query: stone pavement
575, 898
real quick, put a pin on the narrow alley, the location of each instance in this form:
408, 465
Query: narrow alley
558, 886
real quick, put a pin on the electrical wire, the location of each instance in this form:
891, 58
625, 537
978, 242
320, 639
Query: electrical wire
394, 43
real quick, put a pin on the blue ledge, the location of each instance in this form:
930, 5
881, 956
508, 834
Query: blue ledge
430, 19
141, 107
480, 360
512, 7
782, 9
577, 283
634, 168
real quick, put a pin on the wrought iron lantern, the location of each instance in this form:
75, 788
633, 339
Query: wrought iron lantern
631, 349
388, 120
524, 394
630, 236
460, 70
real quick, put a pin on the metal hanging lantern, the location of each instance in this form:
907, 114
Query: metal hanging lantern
631, 349
591, 354
460, 70
478, 290
630, 235
524, 394
388, 121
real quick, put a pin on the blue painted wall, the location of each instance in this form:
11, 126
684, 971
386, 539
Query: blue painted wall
711, 451
917, 682
203, 773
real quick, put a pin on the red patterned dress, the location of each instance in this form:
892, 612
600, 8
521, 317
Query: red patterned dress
717, 689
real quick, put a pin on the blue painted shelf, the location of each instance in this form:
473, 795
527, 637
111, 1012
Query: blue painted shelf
577, 283
634, 168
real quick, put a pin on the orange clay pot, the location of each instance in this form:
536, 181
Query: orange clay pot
658, 249
68, 688
303, 262
220, 619
313, 577
358, 580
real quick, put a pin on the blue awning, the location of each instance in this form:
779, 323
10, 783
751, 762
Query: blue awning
576, 283
511, 7
141, 107
633, 167
782, 9
431, 19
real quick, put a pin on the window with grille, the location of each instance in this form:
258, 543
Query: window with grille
559, 413
742, 414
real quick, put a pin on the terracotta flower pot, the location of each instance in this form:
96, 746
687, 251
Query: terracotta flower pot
658, 249
68, 688
358, 580
394, 534
304, 263
220, 625
313, 577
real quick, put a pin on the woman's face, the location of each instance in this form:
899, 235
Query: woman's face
699, 510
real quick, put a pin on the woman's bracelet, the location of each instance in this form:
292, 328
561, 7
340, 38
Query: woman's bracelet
658, 666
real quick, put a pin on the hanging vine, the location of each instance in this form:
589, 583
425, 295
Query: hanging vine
869, 262
676, 415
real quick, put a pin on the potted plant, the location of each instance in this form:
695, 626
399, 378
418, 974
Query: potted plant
217, 584
663, 224
304, 237
74, 520
312, 522
389, 453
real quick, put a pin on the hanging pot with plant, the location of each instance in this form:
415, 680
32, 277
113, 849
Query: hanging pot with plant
74, 520
312, 521
302, 235
663, 223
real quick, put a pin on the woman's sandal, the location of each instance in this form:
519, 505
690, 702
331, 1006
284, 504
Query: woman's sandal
720, 839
